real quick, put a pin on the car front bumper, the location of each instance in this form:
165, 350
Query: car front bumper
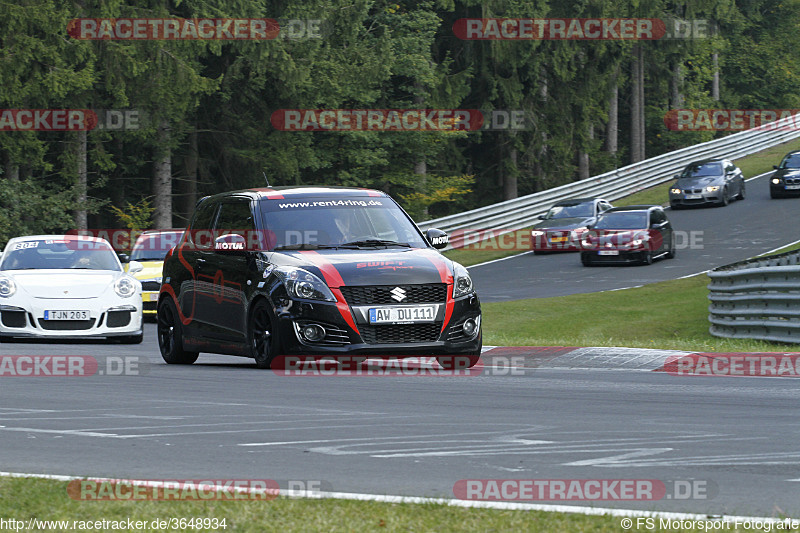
27, 319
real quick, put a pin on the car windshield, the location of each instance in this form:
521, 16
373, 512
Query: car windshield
59, 254
154, 246
585, 209
350, 222
697, 170
623, 220
791, 161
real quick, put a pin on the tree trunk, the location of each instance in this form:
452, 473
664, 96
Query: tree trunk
162, 179
82, 185
510, 177
190, 186
675, 83
715, 79
583, 156
637, 105
421, 170
11, 171
612, 127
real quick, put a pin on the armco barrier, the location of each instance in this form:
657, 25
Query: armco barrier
523, 211
757, 299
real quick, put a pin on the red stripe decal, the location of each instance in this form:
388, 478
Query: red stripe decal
272, 194
334, 280
447, 277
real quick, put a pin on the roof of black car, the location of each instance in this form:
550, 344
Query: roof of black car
643, 207
576, 201
298, 192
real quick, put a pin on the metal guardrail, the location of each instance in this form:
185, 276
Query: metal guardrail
757, 299
523, 211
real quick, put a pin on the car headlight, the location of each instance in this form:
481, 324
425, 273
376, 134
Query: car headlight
537, 233
125, 287
7, 287
776, 180
712, 188
675, 191
463, 283
301, 283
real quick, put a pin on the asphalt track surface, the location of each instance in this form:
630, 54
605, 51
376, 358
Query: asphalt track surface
411, 435
710, 237
736, 439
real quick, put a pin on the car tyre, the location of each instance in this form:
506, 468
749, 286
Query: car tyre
675, 206
647, 259
170, 339
585, 261
741, 193
726, 199
261, 335
775, 194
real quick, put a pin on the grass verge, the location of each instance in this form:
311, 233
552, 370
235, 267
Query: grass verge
23, 498
666, 315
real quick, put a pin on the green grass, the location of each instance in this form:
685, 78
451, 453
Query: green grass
752, 165
667, 315
21, 499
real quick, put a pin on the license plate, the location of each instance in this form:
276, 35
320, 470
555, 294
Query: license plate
693, 196
608, 252
389, 315
558, 239
66, 315
790, 187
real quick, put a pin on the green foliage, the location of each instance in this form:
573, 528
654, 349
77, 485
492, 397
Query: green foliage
134, 216
371, 55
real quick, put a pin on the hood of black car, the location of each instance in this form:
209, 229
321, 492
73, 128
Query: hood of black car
371, 266
563, 223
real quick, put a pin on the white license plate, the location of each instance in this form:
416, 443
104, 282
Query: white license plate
790, 187
608, 252
66, 315
693, 196
389, 315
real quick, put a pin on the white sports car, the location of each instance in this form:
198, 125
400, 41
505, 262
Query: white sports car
68, 286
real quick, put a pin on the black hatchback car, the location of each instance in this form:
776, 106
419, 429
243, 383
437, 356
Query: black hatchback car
629, 234
314, 271
785, 181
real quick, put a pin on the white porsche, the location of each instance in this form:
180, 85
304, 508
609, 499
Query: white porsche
68, 286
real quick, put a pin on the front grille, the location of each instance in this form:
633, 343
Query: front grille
13, 319
150, 306
791, 181
66, 325
693, 191
151, 286
381, 294
400, 333
118, 319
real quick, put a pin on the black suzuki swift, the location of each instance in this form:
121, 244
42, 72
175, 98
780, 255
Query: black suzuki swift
313, 271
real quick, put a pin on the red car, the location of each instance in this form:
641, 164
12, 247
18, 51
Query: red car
630, 234
561, 228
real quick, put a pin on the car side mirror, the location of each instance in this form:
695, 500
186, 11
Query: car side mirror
230, 244
541, 217
134, 267
775, 167
124, 258
437, 238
